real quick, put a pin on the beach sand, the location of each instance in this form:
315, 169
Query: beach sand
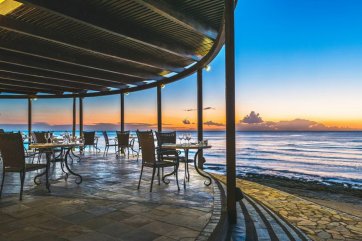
337, 197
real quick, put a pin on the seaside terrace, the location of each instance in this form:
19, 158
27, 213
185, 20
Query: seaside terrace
139, 185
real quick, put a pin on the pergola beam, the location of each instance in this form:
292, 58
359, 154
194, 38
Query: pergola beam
159, 108
81, 116
49, 81
200, 131
61, 69
23, 93
230, 109
125, 74
167, 11
101, 49
21, 88
29, 118
41, 86
122, 111
74, 121
125, 30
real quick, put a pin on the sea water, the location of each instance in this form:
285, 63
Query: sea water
329, 157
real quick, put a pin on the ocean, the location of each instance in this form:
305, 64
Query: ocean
328, 157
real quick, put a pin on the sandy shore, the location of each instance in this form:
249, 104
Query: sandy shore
334, 196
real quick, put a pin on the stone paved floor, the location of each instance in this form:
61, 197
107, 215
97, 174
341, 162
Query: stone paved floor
107, 206
318, 222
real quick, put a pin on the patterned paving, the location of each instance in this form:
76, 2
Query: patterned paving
106, 206
317, 222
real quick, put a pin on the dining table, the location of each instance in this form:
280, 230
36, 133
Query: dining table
48, 149
186, 147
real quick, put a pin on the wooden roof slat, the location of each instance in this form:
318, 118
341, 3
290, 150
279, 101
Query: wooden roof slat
19, 87
120, 78
38, 79
79, 15
16, 91
167, 11
97, 49
58, 69
13, 81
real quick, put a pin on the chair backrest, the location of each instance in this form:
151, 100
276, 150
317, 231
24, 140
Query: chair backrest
147, 144
12, 150
123, 138
39, 137
89, 137
2, 131
106, 139
166, 137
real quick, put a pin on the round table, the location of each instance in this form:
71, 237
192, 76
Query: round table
48, 147
186, 148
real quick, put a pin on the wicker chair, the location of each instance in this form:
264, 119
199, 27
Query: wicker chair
106, 148
90, 140
170, 137
149, 159
13, 156
123, 142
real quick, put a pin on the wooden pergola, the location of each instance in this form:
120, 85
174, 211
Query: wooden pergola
78, 49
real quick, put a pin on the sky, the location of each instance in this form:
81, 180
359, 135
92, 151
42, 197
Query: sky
297, 65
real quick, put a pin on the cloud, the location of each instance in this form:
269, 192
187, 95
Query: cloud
186, 122
211, 123
252, 118
288, 125
206, 108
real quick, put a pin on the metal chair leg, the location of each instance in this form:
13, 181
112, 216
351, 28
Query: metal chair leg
176, 173
153, 177
159, 177
139, 182
22, 177
2, 183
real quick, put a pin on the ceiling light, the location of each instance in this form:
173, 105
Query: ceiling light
8, 6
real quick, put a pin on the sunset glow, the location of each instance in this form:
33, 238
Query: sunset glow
303, 68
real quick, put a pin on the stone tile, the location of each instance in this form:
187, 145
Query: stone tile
316, 221
116, 229
137, 221
79, 217
139, 235
106, 206
93, 236
160, 228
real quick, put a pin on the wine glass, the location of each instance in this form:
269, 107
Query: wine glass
188, 138
184, 137
46, 135
180, 138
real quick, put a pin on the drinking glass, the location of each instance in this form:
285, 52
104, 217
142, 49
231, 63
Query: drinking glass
188, 138
180, 138
46, 135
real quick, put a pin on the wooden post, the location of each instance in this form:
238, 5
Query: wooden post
122, 111
159, 109
200, 131
230, 109
29, 118
74, 116
81, 116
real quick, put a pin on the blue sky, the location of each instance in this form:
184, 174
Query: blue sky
294, 59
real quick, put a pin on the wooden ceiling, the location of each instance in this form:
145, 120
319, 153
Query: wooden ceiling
70, 48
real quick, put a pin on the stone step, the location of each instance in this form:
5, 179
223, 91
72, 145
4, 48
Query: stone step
257, 222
